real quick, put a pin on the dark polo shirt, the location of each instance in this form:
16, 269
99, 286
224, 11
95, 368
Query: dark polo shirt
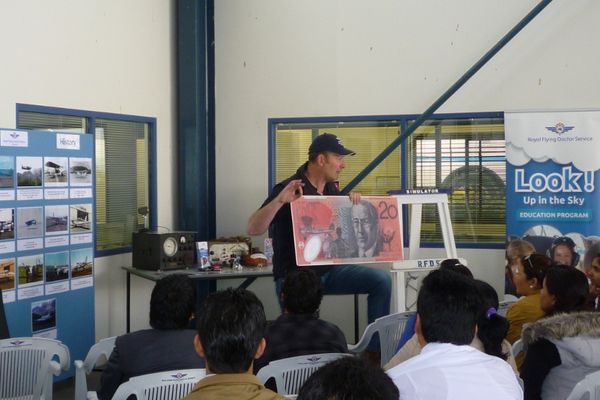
280, 230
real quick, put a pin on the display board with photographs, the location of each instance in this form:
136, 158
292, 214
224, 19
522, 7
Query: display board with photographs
46, 235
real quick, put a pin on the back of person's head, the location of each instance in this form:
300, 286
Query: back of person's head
172, 302
302, 292
491, 326
455, 265
448, 305
231, 326
565, 290
348, 378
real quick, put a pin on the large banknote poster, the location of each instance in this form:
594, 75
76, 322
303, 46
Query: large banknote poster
332, 230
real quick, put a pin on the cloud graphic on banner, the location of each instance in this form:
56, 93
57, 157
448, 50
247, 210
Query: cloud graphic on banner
563, 137
517, 156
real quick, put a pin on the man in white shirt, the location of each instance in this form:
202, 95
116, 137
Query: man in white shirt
448, 368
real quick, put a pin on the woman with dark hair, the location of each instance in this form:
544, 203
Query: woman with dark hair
527, 274
491, 326
515, 249
562, 348
594, 276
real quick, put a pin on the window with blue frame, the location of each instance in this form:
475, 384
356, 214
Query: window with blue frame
123, 159
463, 153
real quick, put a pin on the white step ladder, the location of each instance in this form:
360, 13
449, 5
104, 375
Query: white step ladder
406, 274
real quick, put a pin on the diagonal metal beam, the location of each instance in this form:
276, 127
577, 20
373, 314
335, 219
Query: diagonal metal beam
444, 97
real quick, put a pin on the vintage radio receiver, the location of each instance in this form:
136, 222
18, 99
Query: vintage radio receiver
223, 252
172, 250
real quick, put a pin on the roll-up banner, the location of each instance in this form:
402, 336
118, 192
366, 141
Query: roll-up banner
552, 181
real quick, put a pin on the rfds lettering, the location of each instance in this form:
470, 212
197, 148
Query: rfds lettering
428, 263
566, 181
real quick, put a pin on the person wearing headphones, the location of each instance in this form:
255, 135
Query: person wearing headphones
563, 251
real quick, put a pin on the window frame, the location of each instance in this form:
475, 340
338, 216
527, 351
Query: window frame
92, 116
404, 121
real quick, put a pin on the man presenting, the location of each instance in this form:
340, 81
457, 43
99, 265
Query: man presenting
318, 176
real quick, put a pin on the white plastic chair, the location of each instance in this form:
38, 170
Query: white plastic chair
27, 367
83, 368
168, 385
588, 388
503, 307
291, 373
510, 297
390, 329
517, 347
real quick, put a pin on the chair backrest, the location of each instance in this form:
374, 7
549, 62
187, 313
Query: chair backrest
291, 373
168, 385
82, 368
517, 347
510, 297
503, 307
101, 349
390, 330
27, 366
588, 388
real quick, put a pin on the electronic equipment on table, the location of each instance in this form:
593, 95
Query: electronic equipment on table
171, 250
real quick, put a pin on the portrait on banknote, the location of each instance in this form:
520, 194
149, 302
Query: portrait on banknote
332, 230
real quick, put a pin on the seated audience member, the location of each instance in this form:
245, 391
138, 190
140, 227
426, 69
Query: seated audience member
231, 328
491, 330
528, 275
492, 327
455, 265
515, 250
562, 348
299, 331
594, 277
408, 345
167, 346
348, 378
448, 306
592, 249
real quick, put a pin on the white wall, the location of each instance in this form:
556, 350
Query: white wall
112, 56
289, 58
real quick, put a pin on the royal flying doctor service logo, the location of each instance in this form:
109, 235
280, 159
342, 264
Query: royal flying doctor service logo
13, 138
560, 128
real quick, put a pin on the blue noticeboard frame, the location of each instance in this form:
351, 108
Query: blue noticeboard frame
52, 202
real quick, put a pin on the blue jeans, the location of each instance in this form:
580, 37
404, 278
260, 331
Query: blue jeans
351, 279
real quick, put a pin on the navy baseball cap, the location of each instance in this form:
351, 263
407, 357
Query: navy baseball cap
329, 142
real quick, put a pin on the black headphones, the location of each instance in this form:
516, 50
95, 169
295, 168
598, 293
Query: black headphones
566, 241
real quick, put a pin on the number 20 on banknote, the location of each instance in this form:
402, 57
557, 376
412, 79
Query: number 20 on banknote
332, 230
